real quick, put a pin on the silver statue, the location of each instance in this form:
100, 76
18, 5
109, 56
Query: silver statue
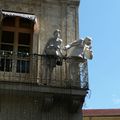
81, 48
53, 46
78, 52
53, 55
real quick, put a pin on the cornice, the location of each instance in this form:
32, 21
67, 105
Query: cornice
71, 2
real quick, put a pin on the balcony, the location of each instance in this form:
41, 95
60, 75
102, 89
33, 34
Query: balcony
43, 70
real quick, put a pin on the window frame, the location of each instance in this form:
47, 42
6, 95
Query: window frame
17, 29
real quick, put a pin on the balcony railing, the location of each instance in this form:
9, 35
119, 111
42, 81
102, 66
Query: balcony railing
43, 70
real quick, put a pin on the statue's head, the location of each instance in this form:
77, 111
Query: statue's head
87, 48
87, 41
57, 33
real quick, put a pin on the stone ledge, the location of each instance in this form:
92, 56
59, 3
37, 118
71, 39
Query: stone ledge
34, 88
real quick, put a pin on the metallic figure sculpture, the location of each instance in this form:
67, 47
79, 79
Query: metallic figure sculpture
78, 52
53, 46
53, 55
81, 48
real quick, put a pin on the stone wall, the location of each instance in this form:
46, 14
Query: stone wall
51, 15
29, 107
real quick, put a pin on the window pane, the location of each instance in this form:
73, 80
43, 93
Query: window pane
7, 37
11, 40
23, 49
26, 23
7, 47
24, 38
23, 66
9, 21
5, 65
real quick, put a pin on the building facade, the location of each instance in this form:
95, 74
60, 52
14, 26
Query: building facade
101, 114
28, 89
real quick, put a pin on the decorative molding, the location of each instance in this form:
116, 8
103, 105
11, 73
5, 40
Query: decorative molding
71, 2
75, 103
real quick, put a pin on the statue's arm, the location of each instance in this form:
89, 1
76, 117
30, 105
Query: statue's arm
72, 44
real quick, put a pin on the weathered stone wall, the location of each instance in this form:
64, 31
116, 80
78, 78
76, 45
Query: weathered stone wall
27, 107
51, 15
58, 15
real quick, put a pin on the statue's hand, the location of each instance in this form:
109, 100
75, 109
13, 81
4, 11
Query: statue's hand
66, 47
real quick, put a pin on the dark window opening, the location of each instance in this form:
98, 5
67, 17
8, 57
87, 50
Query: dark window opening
9, 21
7, 37
6, 47
23, 66
24, 38
16, 36
25, 23
6, 65
23, 49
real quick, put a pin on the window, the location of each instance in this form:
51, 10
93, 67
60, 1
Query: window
16, 43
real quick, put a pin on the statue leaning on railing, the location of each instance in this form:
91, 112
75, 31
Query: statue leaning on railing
53, 46
78, 53
80, 49
53, 54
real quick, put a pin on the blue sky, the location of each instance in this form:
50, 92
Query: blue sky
100, 19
